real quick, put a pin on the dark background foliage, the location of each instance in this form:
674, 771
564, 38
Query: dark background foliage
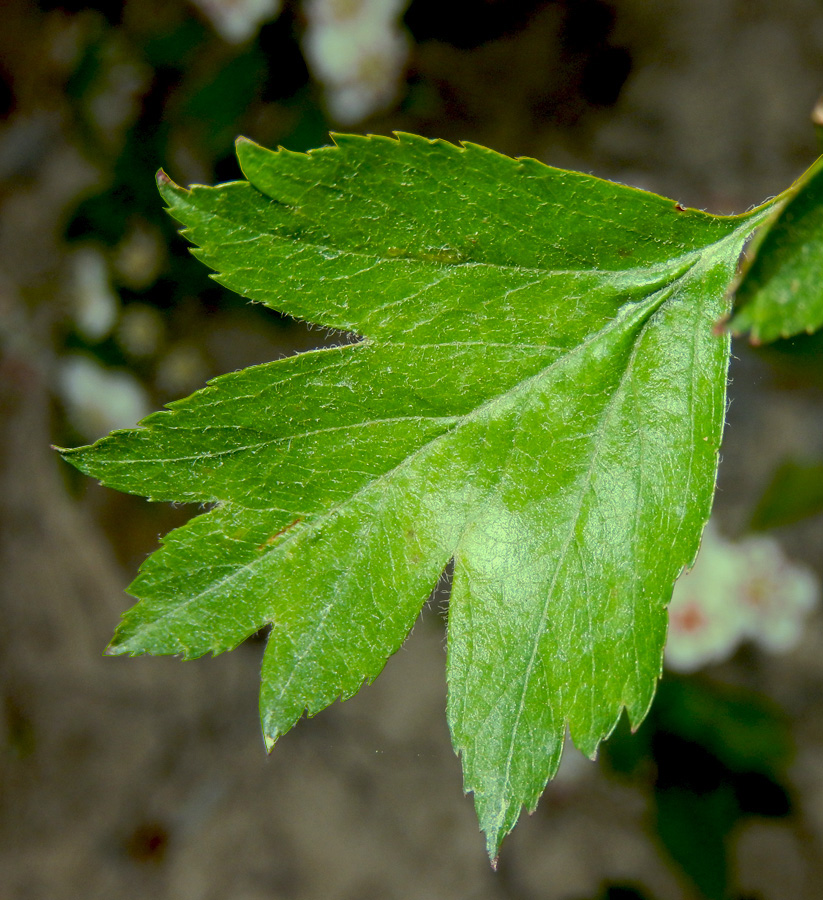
134, 778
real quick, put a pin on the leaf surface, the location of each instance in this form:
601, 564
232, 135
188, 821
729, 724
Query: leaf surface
781, 292
537, 393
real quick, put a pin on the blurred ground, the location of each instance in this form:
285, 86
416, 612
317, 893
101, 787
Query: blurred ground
132, 778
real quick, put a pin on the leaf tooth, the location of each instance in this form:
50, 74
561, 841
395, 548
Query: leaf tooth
170, 191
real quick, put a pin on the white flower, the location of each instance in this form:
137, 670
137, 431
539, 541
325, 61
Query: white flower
740, 591
357, 50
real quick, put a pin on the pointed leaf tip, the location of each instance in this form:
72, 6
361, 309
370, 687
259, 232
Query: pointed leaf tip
244, 146
169, 190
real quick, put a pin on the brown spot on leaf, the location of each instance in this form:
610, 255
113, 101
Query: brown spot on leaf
272, 538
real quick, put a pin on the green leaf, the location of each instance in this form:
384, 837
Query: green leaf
781, 292
537, 393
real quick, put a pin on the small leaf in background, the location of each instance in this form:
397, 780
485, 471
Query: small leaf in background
742, 729
781, 293
721, 754
794, 493
737, 591
713, 754
693, 823
536, 392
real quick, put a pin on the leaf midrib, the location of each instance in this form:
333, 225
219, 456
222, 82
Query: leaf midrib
503, 804
596, 445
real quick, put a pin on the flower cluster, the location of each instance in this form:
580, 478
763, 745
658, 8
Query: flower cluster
737, 591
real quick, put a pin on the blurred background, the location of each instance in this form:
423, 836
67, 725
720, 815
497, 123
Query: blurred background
126, 778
